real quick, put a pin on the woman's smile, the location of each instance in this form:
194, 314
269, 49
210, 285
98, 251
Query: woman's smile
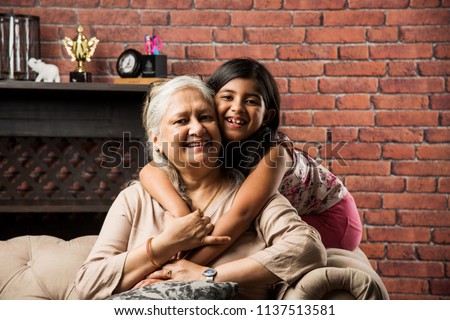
197, 145
189, 132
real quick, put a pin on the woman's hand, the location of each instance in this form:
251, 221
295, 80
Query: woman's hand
146, 282
190, 231
178, 270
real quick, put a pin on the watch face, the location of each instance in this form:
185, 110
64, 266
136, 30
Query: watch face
129, 64
209, 273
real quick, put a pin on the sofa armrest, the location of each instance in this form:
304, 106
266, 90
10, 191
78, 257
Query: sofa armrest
348, 275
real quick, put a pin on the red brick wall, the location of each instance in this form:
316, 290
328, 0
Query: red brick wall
372, 72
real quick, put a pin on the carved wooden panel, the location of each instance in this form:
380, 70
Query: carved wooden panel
64, 169
62, 186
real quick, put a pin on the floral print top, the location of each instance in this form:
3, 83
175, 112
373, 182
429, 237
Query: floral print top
309, 187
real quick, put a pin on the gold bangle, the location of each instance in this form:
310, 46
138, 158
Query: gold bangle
148, 249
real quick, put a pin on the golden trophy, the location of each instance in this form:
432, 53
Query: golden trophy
80, 49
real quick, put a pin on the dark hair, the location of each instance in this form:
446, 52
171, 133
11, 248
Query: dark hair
248, 68
255, 147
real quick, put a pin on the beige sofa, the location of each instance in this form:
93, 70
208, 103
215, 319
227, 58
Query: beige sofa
44, 267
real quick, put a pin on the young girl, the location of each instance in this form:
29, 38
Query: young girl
248, 111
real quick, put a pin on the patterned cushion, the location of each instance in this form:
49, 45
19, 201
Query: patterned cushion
173, 290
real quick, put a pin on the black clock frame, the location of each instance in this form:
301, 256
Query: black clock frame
137, 68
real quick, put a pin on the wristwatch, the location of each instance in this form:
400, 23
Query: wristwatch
210, 274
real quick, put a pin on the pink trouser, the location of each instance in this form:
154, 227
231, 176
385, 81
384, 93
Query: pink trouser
339, 226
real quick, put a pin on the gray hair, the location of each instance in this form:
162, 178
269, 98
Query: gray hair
157, 102
159, 97
155, 106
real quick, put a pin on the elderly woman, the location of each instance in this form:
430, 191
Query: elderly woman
138, 240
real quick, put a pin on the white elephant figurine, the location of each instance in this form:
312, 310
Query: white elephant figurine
46, 72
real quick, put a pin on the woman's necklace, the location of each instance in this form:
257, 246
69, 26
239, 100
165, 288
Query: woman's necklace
212, 198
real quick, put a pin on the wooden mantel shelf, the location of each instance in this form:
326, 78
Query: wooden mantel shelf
91, 86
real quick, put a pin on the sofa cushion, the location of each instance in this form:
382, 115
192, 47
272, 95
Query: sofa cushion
41, 267
176, 290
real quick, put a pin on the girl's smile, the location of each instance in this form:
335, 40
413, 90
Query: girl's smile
240, 109
236, 122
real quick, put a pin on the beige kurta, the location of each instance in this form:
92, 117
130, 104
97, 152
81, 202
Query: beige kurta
279, 240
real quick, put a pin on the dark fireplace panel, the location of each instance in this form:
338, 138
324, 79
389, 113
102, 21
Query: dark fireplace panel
61, 169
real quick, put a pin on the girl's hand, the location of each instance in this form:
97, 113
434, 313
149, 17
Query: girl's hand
178, 270
190, 231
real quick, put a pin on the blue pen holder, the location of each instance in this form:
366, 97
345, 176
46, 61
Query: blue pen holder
154, 66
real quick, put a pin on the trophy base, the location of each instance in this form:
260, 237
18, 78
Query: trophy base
80, 77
